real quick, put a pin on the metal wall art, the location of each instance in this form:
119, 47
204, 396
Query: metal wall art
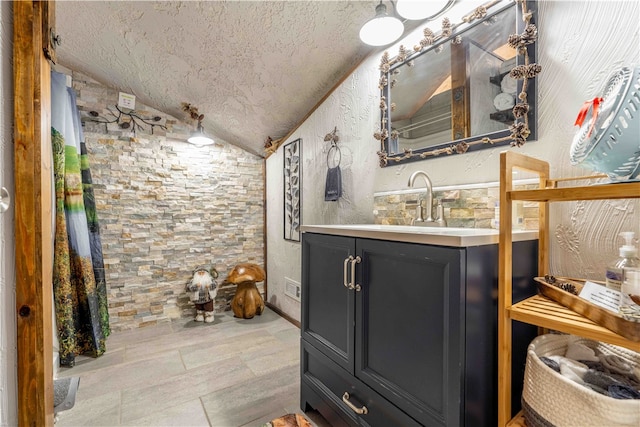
292, 190
127, 120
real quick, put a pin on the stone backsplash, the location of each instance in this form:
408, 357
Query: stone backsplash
471, 207
165, 207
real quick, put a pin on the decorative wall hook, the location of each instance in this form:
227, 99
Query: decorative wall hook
332, 137
128, 120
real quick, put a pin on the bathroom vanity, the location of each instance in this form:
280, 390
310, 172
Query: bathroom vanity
399, 324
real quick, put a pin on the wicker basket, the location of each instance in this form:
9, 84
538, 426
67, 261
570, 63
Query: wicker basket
551, 400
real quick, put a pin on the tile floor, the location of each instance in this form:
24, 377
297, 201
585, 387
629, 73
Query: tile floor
230, 373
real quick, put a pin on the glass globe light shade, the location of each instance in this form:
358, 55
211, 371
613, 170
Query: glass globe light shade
382, 29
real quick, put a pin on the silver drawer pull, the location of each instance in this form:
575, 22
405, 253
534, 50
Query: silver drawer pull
359, 411
353, 284
344, 273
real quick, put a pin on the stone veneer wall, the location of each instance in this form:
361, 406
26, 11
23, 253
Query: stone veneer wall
166, 206
467, 208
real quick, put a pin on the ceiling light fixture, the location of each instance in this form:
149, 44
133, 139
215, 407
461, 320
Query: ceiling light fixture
199, 137
382, 29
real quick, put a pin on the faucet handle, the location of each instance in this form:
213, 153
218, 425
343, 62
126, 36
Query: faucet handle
419, 217
440, 214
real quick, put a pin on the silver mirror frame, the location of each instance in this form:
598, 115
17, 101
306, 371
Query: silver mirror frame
526, 69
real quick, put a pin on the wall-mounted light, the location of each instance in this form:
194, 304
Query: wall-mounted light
384, 29
199, 137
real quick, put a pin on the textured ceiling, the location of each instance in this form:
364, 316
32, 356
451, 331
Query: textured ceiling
253, 68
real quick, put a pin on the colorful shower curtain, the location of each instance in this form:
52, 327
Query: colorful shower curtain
79, 285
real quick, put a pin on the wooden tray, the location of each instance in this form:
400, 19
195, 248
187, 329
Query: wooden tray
628, 329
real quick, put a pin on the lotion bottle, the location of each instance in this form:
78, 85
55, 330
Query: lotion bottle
630, 298
628, 259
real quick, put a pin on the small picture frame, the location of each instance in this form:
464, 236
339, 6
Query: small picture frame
292, 153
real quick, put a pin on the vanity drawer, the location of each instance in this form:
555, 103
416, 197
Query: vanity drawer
331, 382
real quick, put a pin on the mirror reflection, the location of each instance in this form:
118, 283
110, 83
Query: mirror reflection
457, 90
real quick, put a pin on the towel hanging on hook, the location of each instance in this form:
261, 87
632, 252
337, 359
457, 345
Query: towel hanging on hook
333, 184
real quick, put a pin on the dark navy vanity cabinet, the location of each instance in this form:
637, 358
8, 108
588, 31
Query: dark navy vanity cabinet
402, 334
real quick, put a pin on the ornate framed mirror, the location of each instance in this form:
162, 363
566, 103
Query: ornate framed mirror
467, 87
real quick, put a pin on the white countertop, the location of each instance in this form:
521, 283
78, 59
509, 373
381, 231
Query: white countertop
442, 236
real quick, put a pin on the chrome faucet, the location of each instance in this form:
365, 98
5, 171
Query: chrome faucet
428, 220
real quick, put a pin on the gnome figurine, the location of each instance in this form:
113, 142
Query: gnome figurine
203, 289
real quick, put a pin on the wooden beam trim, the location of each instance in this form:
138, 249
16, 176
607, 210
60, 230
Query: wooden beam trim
264, 227
33, 285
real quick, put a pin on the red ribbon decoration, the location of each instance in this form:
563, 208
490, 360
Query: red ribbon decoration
582, 115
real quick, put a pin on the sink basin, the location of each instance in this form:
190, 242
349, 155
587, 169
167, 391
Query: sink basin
447, 231
444, 236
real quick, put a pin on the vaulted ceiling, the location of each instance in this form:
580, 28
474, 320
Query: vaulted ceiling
253, 68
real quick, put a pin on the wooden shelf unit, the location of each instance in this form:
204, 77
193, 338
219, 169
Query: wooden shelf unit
596, 192
542, 311
539, 310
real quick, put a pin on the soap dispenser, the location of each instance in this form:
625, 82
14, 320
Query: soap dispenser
630, 298
628, 258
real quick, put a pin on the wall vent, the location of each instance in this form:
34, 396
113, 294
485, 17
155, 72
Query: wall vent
292, 288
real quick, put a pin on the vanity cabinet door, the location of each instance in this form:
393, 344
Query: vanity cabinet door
410, 321
327, 320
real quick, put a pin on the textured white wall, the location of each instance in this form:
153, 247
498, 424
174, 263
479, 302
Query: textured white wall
8, 388
580, 44
352, 109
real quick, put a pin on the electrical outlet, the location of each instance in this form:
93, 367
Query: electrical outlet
292, 288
